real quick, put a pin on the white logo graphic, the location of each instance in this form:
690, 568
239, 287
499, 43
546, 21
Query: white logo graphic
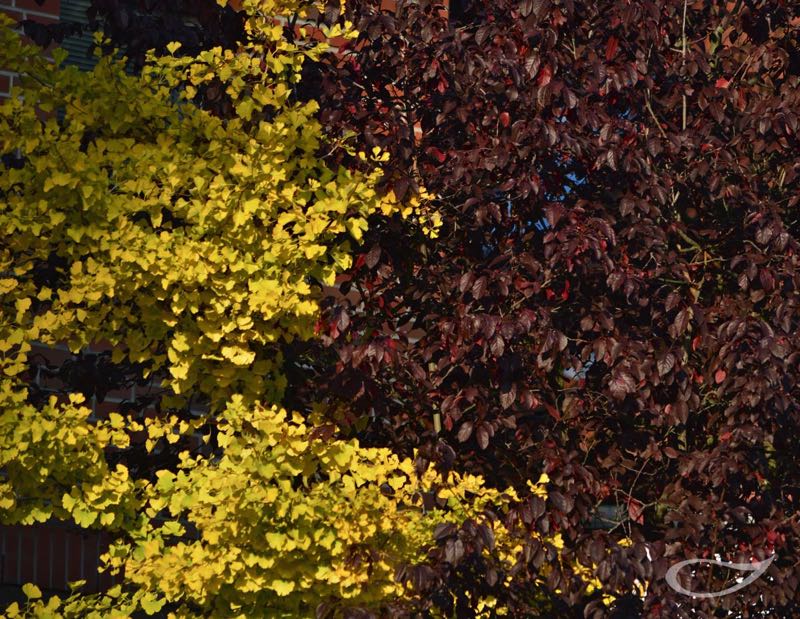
757, 568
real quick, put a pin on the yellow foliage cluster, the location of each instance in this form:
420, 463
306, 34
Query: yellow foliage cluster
281, 521
47, 450
284, 521
189, 242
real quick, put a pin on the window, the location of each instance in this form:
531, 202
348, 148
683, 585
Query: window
78, 46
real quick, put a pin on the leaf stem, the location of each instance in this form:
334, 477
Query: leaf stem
653, 114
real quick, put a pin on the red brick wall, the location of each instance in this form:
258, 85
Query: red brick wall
6, 79
47, 12
52, 555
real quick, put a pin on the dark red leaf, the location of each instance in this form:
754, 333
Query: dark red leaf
465, 431
545, 75
611, 47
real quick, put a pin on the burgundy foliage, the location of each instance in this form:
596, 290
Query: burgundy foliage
670, 180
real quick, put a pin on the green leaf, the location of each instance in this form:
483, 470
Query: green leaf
84, 517
151, 605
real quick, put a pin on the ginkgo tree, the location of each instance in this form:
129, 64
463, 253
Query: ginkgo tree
189, 242
196, 245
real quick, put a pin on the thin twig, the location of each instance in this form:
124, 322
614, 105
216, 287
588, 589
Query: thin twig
688, 239
653, 114
683, 33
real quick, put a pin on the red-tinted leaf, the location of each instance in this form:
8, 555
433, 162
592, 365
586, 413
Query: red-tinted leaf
508, 396
532, 63
482, 435
665, 364
545, 75
436, 154
373, 256
466, 282
479, 287
401, 188
498, 346
526, 7
636, 511
611, 47
622, 384
552, 411
443, 531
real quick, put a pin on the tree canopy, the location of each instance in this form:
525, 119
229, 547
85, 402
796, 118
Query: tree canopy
659, 142
572, 258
